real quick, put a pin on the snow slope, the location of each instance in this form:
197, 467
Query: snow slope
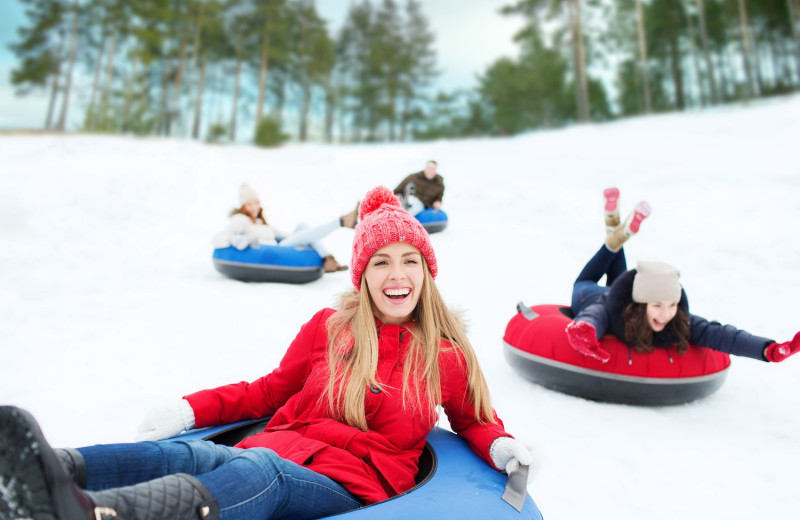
109, 304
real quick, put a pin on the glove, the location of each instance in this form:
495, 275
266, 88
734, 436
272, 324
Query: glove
777, 352
166, 421
583, 338
240, 242
508, 453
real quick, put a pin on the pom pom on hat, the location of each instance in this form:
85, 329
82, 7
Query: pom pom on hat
656, 282
383, 221
246, 194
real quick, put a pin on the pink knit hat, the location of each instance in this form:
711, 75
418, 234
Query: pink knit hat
383, 221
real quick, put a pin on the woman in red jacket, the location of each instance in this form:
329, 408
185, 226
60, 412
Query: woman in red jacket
351, 403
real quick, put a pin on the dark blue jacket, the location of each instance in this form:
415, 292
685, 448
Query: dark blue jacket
605, 315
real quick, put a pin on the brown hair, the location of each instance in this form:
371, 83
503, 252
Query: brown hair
353, 355
639, 334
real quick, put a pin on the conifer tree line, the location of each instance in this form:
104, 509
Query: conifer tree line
204, 68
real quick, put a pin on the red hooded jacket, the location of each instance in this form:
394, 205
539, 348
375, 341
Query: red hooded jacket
374, 464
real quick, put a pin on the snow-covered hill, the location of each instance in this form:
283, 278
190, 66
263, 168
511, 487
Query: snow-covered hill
109, 303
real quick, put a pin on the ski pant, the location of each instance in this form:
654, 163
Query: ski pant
587, 289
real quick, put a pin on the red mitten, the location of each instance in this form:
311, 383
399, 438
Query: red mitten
583, 338
777, 352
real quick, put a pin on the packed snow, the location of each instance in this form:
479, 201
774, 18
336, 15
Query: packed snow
110, 304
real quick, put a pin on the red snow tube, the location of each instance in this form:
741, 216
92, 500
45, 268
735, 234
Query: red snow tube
535, 345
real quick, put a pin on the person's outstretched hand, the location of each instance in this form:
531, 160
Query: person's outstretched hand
777, 352
508, 453
583, 338
167, 421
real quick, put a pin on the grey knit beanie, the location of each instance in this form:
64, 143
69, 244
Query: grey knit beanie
656, 282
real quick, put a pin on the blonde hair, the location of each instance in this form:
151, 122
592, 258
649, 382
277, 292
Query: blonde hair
353, 355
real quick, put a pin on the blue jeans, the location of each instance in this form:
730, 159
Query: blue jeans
586, 289
248, 484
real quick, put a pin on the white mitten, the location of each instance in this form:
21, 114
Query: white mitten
240, 242
166, 421
508, 454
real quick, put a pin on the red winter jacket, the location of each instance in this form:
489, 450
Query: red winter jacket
374, 464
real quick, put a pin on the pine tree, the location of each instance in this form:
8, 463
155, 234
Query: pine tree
40, 50
417, 62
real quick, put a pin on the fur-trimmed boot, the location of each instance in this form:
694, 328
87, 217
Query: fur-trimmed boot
35, 484
627, 229
350, 220
331, 265
611, 208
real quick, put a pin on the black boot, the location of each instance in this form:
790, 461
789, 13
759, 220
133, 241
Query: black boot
73, 464
35, 485
174, 497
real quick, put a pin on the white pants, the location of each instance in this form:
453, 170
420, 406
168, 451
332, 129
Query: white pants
303, 235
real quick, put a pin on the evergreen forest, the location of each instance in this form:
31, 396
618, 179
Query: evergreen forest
272, 70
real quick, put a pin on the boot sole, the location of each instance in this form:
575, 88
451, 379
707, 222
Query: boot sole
33, 485
641, 212
611, 196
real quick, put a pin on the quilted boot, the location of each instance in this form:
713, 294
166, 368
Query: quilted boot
627, 229
174, 497
611, 208
73, 464
34, 484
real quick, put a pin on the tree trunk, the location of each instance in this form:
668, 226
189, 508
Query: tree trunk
54, 85
73, 43
175, 109
280, 101
695, 62
97, 70
794, 20
648, 106
712, 82
675, 60
128, 98
330, 112
164, 104
746, 51
112, 49
581, 84
236, 77
305, 108
404, 116
262, 75
198, 102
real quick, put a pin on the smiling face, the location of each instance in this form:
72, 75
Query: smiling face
394, 277
252, 207
659, 314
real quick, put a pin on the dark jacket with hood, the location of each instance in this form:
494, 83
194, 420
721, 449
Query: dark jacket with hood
605, 315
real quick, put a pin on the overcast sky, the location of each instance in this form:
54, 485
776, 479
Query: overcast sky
470, 34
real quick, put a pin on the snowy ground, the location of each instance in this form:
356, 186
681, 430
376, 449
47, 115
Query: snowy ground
109, 304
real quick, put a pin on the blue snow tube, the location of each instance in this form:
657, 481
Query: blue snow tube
452, 482
433, 220
261, 263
